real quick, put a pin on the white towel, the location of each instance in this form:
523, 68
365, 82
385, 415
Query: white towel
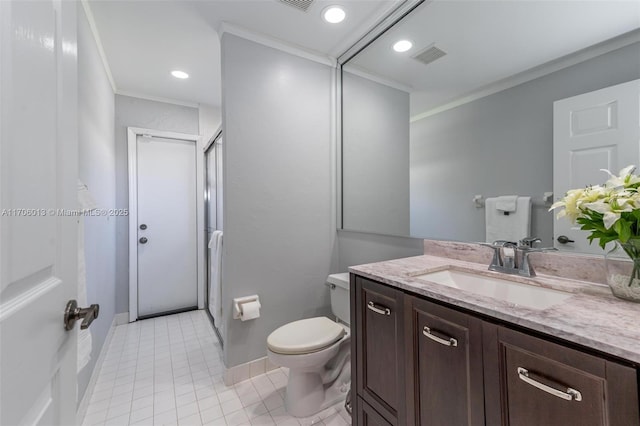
512, 227
215, 283
85, 343
507, 203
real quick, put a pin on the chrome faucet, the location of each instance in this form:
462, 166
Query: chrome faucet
515, 259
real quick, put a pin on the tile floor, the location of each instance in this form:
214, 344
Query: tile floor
168, 371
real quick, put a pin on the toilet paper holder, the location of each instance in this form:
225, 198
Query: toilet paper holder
239, 301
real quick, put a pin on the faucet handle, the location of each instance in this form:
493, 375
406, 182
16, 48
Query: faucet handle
529, 242
497, 254
499, 244
526, 270
504, 243
492, 245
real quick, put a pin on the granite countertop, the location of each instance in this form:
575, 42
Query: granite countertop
591, 316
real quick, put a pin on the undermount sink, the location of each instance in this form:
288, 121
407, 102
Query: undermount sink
510, 291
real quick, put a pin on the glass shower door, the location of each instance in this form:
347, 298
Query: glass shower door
213, 222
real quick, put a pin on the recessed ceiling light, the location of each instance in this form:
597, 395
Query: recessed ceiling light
179, 74
334, 14
402, 46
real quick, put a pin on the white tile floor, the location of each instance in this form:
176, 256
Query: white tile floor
168, 371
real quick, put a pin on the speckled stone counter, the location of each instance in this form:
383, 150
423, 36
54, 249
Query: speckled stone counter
591, 316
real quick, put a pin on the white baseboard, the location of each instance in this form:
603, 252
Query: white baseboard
118, 319
242, 372
121, 319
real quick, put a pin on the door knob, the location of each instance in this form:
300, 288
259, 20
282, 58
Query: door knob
143, 240
563, 239
143, 226
72, 314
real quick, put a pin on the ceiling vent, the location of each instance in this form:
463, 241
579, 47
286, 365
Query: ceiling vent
428, 55
302, 5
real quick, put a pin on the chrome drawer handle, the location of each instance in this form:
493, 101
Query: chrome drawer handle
570, 394
447, 342
379, 309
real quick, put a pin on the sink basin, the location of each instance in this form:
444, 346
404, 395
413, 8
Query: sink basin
509, 291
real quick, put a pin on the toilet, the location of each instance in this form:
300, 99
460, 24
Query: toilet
317, 353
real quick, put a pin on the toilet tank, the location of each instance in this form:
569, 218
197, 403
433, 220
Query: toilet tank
339, 290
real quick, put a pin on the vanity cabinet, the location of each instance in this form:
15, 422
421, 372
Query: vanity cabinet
367, 416
445, 367
531, 381
379, 348
418, 362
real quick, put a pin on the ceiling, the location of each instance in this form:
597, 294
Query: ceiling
487, 41
144, 40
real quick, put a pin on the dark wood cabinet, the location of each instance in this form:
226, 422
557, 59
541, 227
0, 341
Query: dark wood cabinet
445, 367
419, 362
367, 416
536, 382
379, 349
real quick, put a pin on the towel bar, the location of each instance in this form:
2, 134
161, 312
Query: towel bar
544, 201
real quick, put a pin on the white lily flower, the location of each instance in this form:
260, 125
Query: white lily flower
610, 218
627, 170
624, 178
620, 194
612, 209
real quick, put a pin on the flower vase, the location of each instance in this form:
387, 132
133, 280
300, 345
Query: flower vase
622, 265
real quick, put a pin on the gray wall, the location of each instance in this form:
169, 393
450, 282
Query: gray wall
209, 118
96, 158
498, 145
356, 248
134, 112
375, 156
279, 228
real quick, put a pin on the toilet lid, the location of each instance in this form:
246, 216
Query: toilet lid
305, 336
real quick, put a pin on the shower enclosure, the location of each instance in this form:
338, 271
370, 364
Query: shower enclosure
213, 221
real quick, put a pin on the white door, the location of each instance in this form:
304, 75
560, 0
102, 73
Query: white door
167, 251
38, 176
593, 131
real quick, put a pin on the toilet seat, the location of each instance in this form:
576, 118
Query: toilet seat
305, 336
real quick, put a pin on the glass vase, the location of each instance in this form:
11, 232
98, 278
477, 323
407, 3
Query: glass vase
622, 265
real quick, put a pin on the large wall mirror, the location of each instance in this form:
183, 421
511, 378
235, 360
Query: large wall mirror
469, 109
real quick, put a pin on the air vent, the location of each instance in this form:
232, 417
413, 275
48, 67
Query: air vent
302, 5
428, 55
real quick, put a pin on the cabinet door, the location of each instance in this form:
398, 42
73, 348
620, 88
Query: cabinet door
380, 348
536, 382
445, 378
367, 416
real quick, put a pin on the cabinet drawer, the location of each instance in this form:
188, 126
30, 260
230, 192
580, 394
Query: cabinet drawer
543, 383
379, 348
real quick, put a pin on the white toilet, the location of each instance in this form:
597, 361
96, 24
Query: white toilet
317, 353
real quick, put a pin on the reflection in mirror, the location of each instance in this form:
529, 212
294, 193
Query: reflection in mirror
469, 110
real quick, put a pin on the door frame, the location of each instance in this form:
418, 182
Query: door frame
132, 138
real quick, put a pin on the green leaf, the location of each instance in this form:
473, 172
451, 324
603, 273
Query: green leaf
625, 230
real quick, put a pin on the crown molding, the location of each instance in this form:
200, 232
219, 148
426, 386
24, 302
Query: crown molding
96, 36
227, 28
537, 72
157, 99
352, 69
392, 17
